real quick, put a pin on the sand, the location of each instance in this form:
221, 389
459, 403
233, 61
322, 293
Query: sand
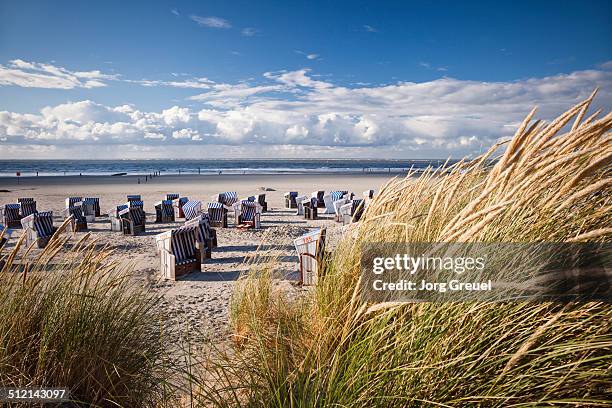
198, 300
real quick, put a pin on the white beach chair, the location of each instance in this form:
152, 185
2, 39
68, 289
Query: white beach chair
248, 215
72, 201
180, 252
115, 218
290, 199
329, 199
10, 215
178, 204
352, 211
217, 213
192, 209
38, 228
310, 249
206, 235
299, 201
164, 211
88, 206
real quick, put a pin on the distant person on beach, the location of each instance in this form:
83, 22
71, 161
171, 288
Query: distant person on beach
220, 172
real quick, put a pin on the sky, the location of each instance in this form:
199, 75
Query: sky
291, 79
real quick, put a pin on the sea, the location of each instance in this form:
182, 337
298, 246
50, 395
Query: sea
243, 166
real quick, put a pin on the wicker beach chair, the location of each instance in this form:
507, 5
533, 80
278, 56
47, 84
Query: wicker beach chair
206, 235
164, 211
10, 215
95, 203
261, 199
300, 200
178, 204
72, 201
249, 215
310, 249
79, 222
115, 218
88, 206
217, 213
227, 198
319, 196
133, 220
192, 209
329, 199
290, 199
27, 206
180, 252
38, 228
352, 211
310, 208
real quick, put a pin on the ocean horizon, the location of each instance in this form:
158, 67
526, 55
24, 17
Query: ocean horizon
58, 167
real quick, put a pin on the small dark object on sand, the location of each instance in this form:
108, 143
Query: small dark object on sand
266, 189
118, 174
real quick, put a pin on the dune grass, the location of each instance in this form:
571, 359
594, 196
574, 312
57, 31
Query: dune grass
550, 184
69, 317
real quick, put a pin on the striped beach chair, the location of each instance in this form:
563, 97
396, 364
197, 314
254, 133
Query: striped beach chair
79, 222
172, 196
178, 204
135, 203
290, 199
310, 249
179, 252
192, 209
39, 228
27, 206
249, 215
207, 236
115, 218
133, 220
72, 201
217, 212
134, 197
228, 198
319, 196
10, 215
261, 199
88, 206
164, 211
310, 208
329, 199
95, 202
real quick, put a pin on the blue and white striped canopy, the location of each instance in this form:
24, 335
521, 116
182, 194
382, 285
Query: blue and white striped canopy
43, 223
215, 204
336, 195
192, 209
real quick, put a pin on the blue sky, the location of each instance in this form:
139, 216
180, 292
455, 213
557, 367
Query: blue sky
323, 78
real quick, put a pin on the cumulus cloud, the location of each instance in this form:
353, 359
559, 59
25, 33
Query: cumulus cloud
211, 22
40, 75
296, 114
249, 32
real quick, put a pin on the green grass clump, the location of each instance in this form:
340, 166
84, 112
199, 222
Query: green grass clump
550, 184
69, 317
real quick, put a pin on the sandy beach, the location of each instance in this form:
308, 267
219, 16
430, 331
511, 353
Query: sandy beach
200, 300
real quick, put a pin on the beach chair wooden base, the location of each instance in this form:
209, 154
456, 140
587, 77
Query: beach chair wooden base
310, 213
130, 228
13, 223
79, 226
187, 266
219, 224
213, 239
164, 218
290, 203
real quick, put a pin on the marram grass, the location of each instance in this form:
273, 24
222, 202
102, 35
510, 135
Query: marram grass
69, 317
550, 184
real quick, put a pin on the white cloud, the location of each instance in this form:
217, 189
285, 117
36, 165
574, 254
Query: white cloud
249, 32
211, 22
369, 28
40, 75
293, 114
175, 12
